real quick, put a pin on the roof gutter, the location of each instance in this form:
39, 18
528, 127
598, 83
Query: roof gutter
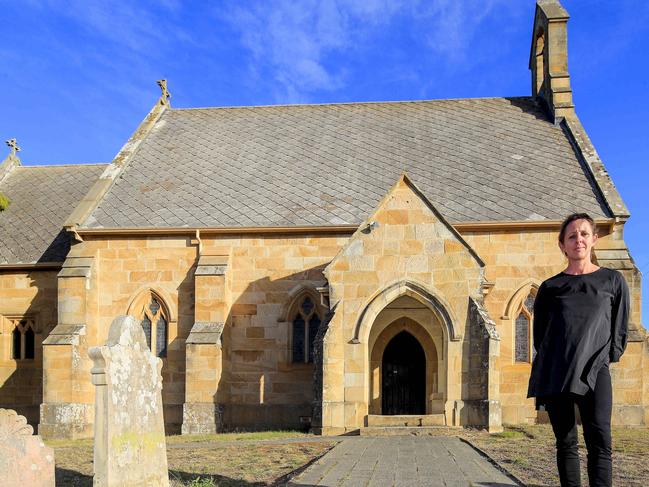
203, 231
601, 223
476, 226
41, 266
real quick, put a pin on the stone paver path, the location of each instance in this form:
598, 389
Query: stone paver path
403, 461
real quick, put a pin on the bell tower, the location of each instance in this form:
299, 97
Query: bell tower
549, 58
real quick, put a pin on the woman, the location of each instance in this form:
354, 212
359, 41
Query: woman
580, 326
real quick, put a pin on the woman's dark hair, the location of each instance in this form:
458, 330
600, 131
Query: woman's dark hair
571, 218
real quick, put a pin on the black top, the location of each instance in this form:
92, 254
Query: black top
580, 324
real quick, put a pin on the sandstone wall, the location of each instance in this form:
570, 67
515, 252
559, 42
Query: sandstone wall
25, 294
259, 384
516, 261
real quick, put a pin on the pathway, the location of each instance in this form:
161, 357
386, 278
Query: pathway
403, 461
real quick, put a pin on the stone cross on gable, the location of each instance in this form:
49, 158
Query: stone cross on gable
13, 145
164, 98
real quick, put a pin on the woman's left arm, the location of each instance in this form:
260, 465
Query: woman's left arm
619, 319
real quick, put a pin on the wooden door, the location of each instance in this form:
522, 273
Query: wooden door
403, 387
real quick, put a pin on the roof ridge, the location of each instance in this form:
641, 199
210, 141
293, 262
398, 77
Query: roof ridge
65, 165
344, 103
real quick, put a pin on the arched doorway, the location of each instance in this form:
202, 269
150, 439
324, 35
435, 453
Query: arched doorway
403, 376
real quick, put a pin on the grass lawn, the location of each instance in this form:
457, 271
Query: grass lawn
224, 460
528, 452
266, 458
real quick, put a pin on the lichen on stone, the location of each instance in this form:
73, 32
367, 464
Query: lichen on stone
4, 202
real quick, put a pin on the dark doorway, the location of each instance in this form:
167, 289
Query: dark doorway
404, 376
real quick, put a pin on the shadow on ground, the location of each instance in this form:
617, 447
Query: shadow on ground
185, 478
72, 478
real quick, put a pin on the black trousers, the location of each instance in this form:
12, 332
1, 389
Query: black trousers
595, 411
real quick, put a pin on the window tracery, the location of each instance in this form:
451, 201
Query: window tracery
522, 331
23, 339
306, 323
155, 323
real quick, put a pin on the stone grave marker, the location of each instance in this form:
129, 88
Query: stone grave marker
130, 447
24, 458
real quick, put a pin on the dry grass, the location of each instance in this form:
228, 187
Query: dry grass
236, 436
226, 460
528, 453
265, 458
242, 465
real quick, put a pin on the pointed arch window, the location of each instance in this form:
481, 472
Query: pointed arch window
523, 349
154, 319
306, 323
23, 339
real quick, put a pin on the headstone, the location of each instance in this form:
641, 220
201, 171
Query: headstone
130, 448
24, 458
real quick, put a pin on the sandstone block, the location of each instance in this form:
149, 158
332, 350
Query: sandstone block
202, 418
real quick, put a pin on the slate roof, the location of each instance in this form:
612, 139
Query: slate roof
41, 199
487, 159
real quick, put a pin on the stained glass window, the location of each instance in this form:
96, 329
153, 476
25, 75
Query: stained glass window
522, 338
146, 326
298, 339
522, 342
529, 303
307, 306
161, 337
154, 306
305, 328
155, 324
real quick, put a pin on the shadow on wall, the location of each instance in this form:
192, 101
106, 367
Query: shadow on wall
173, 365
21, 377
268, 374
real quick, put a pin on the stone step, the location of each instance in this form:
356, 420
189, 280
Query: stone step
406, 420
402, 430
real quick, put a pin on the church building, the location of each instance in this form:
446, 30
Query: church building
336, 266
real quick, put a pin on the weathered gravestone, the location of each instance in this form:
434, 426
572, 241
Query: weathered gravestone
130, 448
24, 458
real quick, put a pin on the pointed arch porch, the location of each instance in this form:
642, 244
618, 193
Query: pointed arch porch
418, 291
432, 325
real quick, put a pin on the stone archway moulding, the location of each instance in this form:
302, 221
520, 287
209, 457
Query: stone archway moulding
165, 297
395, 290
513, 303
294, 295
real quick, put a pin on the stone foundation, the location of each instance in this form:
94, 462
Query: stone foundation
202, 418
265, 416
628, 415
68, 420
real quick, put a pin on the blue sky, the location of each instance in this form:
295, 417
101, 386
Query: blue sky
76, 77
